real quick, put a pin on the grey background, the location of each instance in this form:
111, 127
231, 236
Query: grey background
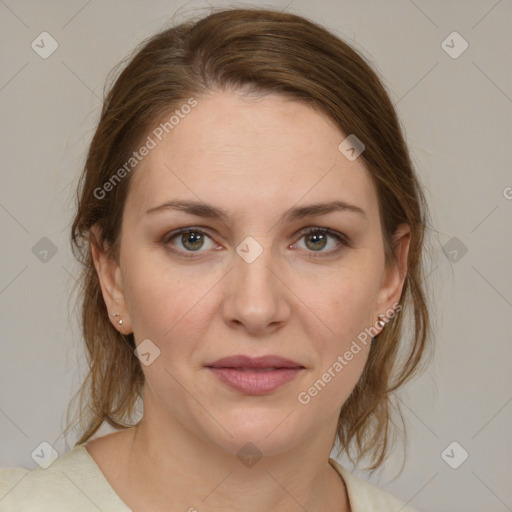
457, 118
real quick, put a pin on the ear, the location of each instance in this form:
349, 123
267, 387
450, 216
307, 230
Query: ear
394, 278
109, 275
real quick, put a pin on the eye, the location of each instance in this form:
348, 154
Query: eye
316, 239
192, 240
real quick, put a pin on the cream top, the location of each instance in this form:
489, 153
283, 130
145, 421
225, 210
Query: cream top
74, 482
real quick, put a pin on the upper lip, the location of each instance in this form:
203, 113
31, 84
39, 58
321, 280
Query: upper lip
241, 361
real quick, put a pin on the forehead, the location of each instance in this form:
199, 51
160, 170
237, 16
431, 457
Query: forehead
244, 153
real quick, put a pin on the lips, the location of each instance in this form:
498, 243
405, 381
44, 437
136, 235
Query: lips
255, 376
255, 363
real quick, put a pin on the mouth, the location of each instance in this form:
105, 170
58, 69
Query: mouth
255, 376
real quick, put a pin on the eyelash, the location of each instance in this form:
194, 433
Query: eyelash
340, 237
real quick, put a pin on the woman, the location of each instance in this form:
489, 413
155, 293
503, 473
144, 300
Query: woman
251, 231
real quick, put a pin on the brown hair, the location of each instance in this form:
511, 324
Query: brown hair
261, 51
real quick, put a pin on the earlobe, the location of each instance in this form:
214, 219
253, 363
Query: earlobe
109, 276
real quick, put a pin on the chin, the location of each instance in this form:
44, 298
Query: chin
263, 429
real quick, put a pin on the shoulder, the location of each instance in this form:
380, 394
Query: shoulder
71, 482
365, 497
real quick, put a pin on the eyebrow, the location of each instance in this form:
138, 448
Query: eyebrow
201, 209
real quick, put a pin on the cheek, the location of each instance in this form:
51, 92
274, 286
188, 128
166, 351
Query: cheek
163, 304
343, 301
343, 304
340, 355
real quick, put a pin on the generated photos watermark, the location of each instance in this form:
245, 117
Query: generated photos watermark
304, 397
156, 136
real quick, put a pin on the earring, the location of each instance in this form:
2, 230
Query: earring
120, 322
381, 321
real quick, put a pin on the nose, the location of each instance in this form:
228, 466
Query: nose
256, 295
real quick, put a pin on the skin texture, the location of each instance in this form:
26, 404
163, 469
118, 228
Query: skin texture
255, 158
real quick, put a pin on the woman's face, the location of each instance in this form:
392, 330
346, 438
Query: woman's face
252, 283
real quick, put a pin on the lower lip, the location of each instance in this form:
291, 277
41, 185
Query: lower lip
254, 382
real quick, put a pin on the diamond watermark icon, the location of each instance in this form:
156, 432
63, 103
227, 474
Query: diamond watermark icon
147, 352
249, 455
454, 249
44, 454
454, 455
44, 250
44, 45
454, 45
351, 147
249, 249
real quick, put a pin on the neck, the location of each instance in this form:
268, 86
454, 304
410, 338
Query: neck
173, 465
